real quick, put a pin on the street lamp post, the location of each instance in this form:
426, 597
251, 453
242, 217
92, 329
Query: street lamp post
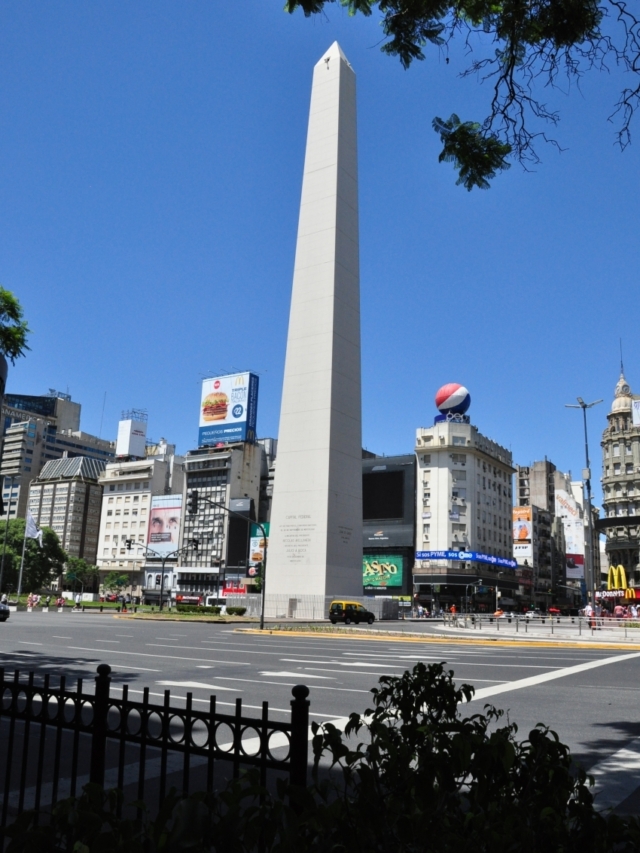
129, 543
586, 476
194, 493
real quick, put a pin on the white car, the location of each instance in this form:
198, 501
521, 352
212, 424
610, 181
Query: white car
531, 614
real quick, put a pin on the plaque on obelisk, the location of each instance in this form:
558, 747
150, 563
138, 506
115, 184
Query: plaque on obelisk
315, 543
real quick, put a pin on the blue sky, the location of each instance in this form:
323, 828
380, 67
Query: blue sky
150, 170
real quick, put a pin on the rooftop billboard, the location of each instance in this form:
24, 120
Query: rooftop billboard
228, 408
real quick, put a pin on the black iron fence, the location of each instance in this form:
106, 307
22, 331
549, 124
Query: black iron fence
55, 739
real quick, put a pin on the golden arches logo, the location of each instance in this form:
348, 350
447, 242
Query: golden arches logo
617, 578
630, 593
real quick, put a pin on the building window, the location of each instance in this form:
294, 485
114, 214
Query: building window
136, 498
616, 467
628, 450
109, 512
616, 450
459, 440
112, 488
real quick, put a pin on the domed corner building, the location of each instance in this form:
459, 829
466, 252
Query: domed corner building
621, 484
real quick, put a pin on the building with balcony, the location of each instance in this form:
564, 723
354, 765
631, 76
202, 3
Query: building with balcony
464, 498
621, 483
128, 490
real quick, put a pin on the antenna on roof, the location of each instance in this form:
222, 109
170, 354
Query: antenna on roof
621, 364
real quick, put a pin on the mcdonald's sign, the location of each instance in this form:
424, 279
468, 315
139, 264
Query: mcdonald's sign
630, 593
617, 578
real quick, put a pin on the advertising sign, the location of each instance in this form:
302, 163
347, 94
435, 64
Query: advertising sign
228, 408
468, 557
132, 438
635, 412
523, 552
575, 567
522, 524
164, 523
256, 549
382, 570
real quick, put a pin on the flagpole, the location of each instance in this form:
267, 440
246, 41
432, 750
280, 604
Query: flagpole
24, 545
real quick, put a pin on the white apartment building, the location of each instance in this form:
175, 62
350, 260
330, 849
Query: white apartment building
128, 488
464, 499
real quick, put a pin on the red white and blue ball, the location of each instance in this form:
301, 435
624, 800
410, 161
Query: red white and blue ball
453, 399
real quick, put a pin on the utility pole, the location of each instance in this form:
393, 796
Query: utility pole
586, 476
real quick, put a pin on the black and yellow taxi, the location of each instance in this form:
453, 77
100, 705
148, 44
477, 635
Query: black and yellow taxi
348, 612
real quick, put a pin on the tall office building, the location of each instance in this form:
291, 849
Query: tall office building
37, 430
316, 518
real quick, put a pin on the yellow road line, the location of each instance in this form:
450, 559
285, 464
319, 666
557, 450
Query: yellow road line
430, 638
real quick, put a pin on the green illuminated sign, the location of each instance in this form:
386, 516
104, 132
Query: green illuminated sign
382, 570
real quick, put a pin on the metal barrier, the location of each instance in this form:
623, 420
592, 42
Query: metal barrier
57, 739
547, 624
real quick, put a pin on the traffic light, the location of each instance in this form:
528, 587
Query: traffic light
192, 502
194, 544
128, 543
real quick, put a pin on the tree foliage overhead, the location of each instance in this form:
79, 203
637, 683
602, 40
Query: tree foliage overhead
515, 46
13, 327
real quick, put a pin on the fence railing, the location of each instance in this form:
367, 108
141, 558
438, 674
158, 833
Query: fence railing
55, 739
561, 626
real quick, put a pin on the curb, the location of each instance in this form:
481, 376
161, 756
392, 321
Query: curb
430, 638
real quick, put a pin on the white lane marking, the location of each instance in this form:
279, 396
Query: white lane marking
197, 685
149, 655
533, 680
617, 776
57, 637
201, 666
27, 643
104, 640
315, 686
298, 675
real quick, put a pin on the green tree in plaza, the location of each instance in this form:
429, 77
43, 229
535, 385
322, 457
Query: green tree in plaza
13, 327
80, 573
41, 564
115, 582
517, 47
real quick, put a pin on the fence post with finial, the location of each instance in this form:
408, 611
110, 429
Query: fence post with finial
299, 736
99, 727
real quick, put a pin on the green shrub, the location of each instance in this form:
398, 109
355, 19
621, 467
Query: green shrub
423, 778
198, 609
236, 611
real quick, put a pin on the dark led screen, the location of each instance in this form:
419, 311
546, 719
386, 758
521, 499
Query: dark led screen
383, 495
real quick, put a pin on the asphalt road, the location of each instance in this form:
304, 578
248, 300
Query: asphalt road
590, 697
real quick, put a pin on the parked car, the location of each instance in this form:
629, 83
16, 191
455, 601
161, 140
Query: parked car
348, 612
4, 612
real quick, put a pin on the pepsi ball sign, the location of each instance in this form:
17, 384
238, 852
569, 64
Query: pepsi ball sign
453, 399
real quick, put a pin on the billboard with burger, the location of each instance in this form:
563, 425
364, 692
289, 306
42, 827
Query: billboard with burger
228, 408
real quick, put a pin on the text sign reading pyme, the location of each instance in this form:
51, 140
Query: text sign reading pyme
467, 556
228, 408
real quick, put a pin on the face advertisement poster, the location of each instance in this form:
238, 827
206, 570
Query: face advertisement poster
164, 524
256, 549
522, 524
228, 409
382, 570
575, 566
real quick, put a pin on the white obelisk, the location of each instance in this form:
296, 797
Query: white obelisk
315, 542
